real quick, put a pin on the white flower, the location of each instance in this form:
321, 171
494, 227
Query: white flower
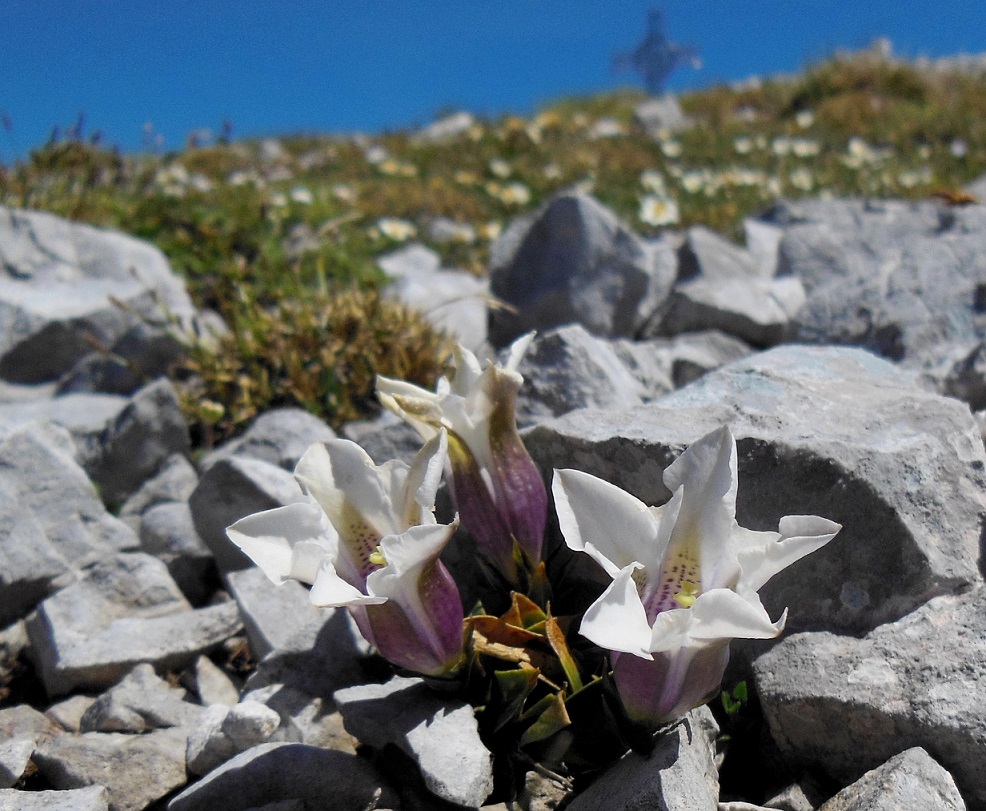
685, 575
656, 210
653, 181
804, 147
671, 149
301, 195
495, 484
396, 229
500, 168
743, 145
805, 119
366, 538
802, 178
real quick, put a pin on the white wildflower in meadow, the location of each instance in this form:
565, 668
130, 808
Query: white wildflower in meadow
278, 199
805, 119
500, 168
656, 210
909, 178
774, 186
200, 183
490, 230
802, 178
552, 171
515, 194
396, 229
606, 128
693, 181
302, 196
243, 177
375, 153
344, 193
805, 147
924, 152
959, 148
743, 176
743, 145
672, 149
781, 145
860, 153
653, 181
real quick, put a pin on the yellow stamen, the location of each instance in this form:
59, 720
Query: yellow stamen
688, 595
377, 558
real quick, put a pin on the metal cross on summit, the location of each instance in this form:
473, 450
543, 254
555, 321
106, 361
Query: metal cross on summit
656, 57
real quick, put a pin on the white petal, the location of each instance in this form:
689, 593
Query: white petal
269, 538
409, 551
606, 522
764, 554
339, 473
721, 614
424, 479
517, 351
707, 472
617, 620
418, 407
330, 590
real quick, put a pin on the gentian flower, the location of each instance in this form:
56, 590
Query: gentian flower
367, 539
495, 484
685, 576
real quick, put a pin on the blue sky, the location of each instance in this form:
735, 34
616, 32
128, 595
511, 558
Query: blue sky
343, 65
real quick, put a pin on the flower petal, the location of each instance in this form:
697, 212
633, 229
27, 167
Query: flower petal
340, 474
761, 555
609, 524
424, 479
707, 472
517, 350
330, 590
720, 614
285, 542
419, 407
617, 621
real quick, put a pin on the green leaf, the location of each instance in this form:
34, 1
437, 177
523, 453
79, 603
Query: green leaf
513, 687
553, 719
556, 638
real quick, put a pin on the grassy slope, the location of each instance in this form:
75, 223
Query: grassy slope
231, 217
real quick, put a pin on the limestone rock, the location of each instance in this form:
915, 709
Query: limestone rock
126, 610
140, 702
211, 684
440, 736
57, 288
903, 279
279, 437
661, 116
572, 260
90, 798
15, 754
911, 779
568, 368
167, 531
136, 770
846, 705
174, 481
679, 775
272, 772
52, 522
137, 443
452, 301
